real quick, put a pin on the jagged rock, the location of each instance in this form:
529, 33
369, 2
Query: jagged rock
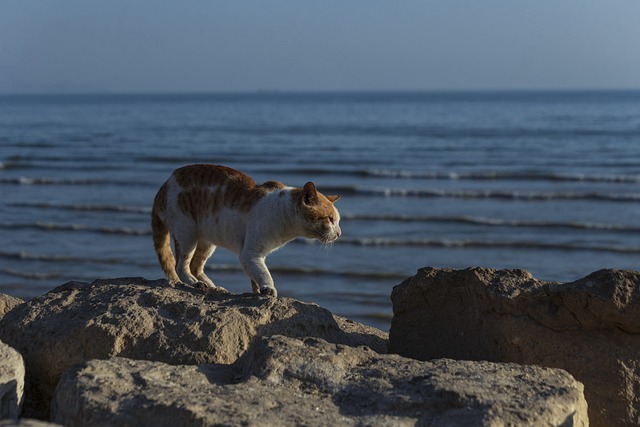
590, 328
11, 382
7, 303
290, 382
140, 319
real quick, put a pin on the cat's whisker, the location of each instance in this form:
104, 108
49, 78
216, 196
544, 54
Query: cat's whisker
327, 242
329, 246
320, 247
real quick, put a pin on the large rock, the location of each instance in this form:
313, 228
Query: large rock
11, 382
139, 319
290, 382
590, 327
7, 303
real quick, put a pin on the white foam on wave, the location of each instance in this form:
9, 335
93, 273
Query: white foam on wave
497, 222
451, 243
497, 194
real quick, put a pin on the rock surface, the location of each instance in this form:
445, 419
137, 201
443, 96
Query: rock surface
140, 319
27, 422
7, 303
590, 328
285, 381
12, 373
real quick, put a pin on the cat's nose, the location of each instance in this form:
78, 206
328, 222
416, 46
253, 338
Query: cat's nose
338, 232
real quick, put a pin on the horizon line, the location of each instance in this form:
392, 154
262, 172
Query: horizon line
315, 92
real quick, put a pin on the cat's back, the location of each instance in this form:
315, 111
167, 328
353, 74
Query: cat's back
207, 176
202, 190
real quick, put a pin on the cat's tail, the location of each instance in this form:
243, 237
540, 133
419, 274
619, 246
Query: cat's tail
162, 245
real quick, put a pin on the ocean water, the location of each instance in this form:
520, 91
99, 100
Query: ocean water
545, 181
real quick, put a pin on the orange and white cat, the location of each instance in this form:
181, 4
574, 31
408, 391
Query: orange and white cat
205, 206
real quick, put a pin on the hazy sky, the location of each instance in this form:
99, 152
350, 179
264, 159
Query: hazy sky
239, 45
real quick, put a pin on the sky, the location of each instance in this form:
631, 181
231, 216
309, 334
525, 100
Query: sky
146, 46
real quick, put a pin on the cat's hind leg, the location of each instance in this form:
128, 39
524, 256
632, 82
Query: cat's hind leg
162, 246
203, 252
255, 287
185, 245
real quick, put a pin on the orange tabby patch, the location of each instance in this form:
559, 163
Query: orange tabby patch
210, 175
233, 189
160, 202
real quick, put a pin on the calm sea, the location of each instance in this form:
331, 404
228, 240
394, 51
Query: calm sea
549, 182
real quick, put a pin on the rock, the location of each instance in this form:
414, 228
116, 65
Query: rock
289, 382
590, 328
140, 319
7, 303
27, 422
11, 382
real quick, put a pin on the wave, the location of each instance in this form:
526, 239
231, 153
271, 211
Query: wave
46, 226
281, 270
446, 243
393, 130
484, 194
348, 172
310, 172
481, 221
463, 219
296, 270
458, 176
84, 208
369, 242
510, 176
63, 162
30, 275
23, 180
30, 256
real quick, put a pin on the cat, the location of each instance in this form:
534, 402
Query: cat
204, 206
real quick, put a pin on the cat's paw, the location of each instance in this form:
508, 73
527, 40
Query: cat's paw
179, 284
197, 285
269, 291
203, 286
174, 283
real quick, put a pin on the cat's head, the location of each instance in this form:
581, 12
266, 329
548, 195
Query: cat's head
321, 219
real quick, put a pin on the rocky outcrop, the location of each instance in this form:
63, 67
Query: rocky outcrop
590, 328
7, 303
137, 352
283, 381
144, 320
11, 382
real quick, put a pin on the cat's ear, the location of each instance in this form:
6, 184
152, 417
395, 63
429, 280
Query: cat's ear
309, 194
334, 198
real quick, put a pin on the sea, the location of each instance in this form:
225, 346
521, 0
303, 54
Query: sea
543, 181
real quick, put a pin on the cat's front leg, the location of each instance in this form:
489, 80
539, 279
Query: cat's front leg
256, 268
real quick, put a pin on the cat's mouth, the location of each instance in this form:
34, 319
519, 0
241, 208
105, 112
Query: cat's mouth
325, 236
329, 237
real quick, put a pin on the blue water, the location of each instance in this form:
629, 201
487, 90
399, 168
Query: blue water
549, 182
